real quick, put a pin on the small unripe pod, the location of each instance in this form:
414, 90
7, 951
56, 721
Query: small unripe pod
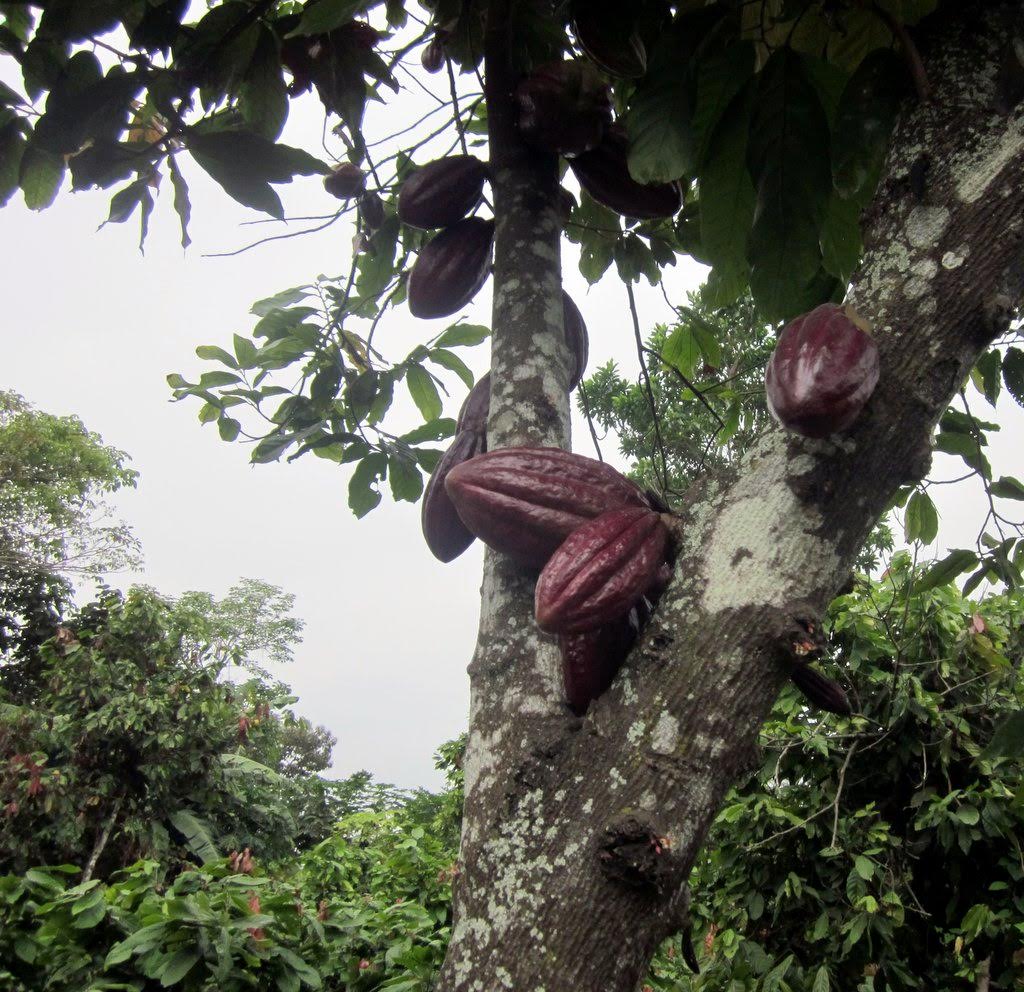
346, 181
433, 57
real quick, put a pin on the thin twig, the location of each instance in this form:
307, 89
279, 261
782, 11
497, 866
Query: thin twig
839, 792
647, 385
274, 237
689, 385
590, 420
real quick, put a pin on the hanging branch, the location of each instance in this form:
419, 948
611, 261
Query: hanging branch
689, 385
590, 420
647, 386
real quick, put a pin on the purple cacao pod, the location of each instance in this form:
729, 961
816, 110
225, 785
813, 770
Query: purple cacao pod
433, 55
564, 108
600, 570
371, 209
591, 660
346, 181
604, 173
820, 690
476, 408
605, 31
441, 192
451, 268
822, 372
576, 338
446, 535
525, 502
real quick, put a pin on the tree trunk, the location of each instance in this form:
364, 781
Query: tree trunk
579, 835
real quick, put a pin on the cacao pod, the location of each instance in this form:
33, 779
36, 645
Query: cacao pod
822, 372
476, 408
606, 33
604, 173
346, 181
564, 108
591, 660
451, 268
441, 192
371, 209
525, 502
600, 570
433, 55
446, 535
820, 689
576, 338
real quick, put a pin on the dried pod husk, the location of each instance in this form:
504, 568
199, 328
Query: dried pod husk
441, 192
564, 108
606, 33
476, 408
604, 173
525, 502
433, 57
600, 570
446, 535
822, 372
819, 689
346, 181
576, 338
451, 269
590, 661
371, 210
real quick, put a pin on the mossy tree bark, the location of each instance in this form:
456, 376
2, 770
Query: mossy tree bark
579, 835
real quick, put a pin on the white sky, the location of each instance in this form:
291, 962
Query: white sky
90, 327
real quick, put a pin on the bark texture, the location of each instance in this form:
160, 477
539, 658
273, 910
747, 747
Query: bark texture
579, 835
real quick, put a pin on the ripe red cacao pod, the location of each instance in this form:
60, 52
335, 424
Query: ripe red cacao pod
576, 338
433, 58
606, 33
525, 502
441, 192
604, 173
346, 181
590, 661
564, 108
820, 690
476, 407
446, 535
371, 209
451, 268
822, 372
600, 570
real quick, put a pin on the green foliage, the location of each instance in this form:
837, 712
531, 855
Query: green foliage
866, 852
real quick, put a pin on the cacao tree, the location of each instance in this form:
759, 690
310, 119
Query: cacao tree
806, 150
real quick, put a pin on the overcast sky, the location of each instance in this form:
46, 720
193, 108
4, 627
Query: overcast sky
91, 328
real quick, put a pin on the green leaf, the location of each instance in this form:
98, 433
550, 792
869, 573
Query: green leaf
841, 244
867, 114
721, 75
263, 95
682, 349
405, 479
435, 430
423, 392
661, 141
182, 206
177, 966
966, 446
942, 572
363, 494
40, 176
12, 147
921, 522
1007, 487
213, 353
326, 15
1008, 738
821, 981
124, 202
864, 867
229, 428
245, 352
463, 336
197, 834
1013, 373
449, 360
280, 301
788, 157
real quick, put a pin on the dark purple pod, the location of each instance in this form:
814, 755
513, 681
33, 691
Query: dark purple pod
825, 693
590, 661
607, 35
564, 108
476, 407
441, 192
346, 181
433, 58
451, 268
446, 535
371, 209
576, 338
604, 173
822, 372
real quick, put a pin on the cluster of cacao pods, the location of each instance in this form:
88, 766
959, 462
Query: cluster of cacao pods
454, 264
348, 181
822, 372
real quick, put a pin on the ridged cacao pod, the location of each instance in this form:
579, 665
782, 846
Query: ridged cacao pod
820, 690
433, 55
606, 33
600, 570
476, 407
822, 372
441, 192
564, 108
446, 535
604, 173
525, 502
371, 209
576, 338
591, 660
346, 181
451, 268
